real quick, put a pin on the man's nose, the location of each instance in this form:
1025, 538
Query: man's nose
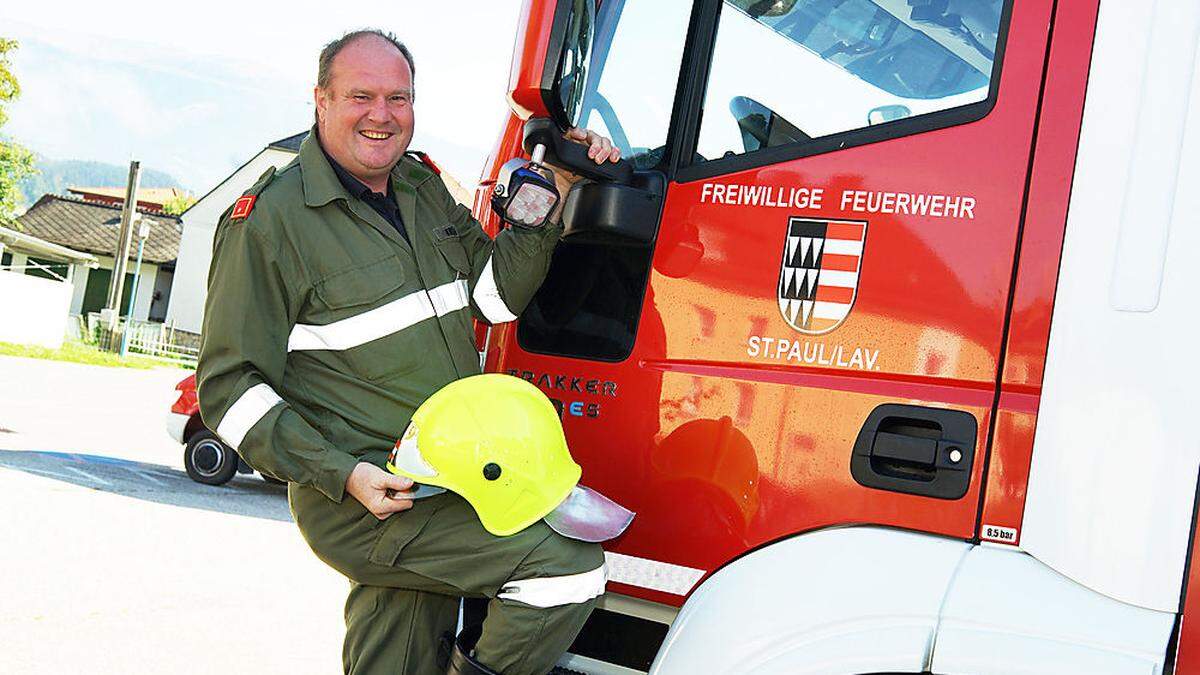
379, 110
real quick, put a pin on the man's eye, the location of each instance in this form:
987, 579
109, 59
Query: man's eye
399, 99
361, 97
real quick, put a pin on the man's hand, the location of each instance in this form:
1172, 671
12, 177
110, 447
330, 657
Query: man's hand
381, 492
600, 150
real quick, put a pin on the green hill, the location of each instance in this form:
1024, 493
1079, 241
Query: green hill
57, 175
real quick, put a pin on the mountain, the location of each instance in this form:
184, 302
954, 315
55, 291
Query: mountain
201, 109
57, 175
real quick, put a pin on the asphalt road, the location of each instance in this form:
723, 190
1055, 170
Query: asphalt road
113, 561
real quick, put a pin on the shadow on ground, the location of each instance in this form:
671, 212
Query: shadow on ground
245, 495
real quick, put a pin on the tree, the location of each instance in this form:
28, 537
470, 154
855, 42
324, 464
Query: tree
15, 161
178, 204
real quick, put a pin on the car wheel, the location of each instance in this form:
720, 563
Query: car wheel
208, 460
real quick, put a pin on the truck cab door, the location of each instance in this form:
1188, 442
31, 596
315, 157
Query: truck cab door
810, 332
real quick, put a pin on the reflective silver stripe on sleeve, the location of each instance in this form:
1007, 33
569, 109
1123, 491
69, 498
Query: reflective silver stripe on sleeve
555, 591
251, 407
449, 297
487, 297
360, 329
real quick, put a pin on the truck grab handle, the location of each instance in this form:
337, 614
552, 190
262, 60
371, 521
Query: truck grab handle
573, 156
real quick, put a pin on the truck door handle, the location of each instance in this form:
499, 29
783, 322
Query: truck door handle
905, 448
917, 450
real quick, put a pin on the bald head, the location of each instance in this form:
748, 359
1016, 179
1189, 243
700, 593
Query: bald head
331, 50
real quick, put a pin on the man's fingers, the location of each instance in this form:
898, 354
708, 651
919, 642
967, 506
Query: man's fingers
606, 151
397, 483
600, 148
387, 506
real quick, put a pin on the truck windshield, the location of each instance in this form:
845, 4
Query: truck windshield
919, 49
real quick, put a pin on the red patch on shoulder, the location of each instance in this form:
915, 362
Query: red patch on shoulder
243, 206
429, 163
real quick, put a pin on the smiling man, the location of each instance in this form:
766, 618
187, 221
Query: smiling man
340, 297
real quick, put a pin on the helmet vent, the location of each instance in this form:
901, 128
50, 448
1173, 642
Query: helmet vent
491, 471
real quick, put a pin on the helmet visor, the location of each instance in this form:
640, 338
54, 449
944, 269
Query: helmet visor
587, 515
406, 457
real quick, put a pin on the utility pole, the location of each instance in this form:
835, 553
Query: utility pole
143, 231
116, 285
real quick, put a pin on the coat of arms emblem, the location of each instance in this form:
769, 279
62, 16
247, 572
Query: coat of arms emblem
818, 277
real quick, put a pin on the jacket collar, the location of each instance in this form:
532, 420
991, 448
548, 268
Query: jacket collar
321, 184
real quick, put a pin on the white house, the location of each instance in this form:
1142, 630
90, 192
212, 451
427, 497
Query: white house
34, 307
93, 227
186, 309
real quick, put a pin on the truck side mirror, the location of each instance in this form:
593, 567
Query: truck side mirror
549, 73
552, 51
614, 206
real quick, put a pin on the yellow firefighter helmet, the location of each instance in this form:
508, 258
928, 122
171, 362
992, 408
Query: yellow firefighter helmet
498, 442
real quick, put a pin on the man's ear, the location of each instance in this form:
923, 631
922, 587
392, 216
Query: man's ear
322, 102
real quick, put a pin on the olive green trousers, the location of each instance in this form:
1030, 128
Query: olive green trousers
409, 571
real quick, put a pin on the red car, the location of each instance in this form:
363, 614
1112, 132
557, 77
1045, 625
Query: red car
206, 457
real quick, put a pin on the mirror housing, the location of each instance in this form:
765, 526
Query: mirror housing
540, 32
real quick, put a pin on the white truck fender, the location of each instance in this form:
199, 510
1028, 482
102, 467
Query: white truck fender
869, 599
1008, 613
849, 600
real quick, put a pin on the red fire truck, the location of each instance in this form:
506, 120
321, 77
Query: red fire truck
884, 327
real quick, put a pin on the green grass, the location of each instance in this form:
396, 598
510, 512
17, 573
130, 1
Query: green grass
78, 352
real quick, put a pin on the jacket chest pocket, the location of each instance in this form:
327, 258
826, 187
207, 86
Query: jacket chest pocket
451, 247
365, 320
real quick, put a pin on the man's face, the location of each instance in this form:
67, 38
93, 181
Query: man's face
365, 115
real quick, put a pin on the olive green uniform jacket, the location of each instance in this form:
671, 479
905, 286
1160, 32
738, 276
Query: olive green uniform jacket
324, 329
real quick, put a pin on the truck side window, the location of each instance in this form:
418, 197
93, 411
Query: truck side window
617, 75
790, 71
620, 66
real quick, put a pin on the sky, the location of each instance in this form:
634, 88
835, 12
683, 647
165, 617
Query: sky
196, 89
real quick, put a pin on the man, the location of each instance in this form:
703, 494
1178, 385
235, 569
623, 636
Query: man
340, 297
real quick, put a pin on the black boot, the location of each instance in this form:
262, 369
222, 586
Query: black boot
461, 661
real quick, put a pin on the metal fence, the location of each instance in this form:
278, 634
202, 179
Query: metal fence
154, 340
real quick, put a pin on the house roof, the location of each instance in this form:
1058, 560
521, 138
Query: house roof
291, 143
94, 227
158, 196
24, 243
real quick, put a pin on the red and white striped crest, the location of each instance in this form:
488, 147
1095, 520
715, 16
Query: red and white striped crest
818, 278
